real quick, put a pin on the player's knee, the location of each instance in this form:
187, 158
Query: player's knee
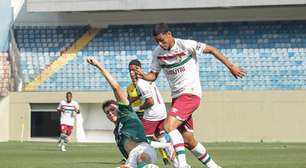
168, 127
192, 144
171, 123
144, 157
190, 141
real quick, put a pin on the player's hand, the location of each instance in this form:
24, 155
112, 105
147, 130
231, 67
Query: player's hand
92, 61
237, 71
77, 110
139, 73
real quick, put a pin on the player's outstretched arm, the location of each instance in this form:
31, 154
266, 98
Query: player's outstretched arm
119, 94
235, 70
150, 76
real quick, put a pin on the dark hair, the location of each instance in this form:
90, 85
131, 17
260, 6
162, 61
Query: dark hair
135, 62
160, 28
108, 102
68, 93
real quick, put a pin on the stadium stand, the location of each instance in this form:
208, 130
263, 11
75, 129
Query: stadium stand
69, 54
274, 54
40, 45
4, 74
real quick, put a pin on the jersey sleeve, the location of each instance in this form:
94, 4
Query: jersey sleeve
77, 106
194, 47
155, 66
144, 89
59, 105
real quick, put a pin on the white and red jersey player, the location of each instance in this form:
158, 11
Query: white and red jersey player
180, 65
68, 113
179, 59
147, 89
154, 115
181, 68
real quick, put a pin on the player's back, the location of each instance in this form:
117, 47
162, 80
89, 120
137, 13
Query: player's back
149, 89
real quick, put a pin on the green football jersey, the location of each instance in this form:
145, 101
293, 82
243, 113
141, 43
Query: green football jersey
128, 127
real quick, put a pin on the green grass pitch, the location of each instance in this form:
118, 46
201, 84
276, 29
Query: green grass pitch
228, 155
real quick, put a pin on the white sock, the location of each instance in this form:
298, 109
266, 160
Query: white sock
200, 152
156, 144
178, 144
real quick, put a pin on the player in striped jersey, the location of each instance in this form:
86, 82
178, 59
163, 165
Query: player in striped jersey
154, 111
179, 60
68, 109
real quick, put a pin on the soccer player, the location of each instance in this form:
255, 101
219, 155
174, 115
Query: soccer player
129, 133
68, 109
154, 111
179, 60
134, 99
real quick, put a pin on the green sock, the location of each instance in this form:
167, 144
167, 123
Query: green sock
140, 165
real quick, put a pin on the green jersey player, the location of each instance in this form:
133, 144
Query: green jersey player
129, 132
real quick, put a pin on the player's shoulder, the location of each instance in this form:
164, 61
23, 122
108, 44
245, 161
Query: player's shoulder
142, 82
74, 102
130, 87
157, 51
184, 42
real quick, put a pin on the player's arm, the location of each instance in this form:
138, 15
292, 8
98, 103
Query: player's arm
119, 94
155, 69
144, 89
235, 70
60, 108
150, 76
133, 99
77, 108
149, 102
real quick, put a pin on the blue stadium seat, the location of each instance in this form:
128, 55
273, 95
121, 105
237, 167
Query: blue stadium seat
274, 54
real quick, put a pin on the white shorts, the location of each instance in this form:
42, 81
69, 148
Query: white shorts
137, 151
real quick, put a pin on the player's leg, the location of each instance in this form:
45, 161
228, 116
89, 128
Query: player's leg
140, 155
63, 135
197, 149
67, 130
182, 108
171, 124
152, 128
169, 151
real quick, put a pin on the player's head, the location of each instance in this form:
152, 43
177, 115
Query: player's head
68, 97
110, 108
163, 36
135, 63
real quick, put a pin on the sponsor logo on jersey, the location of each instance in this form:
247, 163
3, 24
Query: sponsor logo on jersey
175, 71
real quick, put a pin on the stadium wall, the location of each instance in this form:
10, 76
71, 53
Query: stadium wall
4, 115
269, 116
